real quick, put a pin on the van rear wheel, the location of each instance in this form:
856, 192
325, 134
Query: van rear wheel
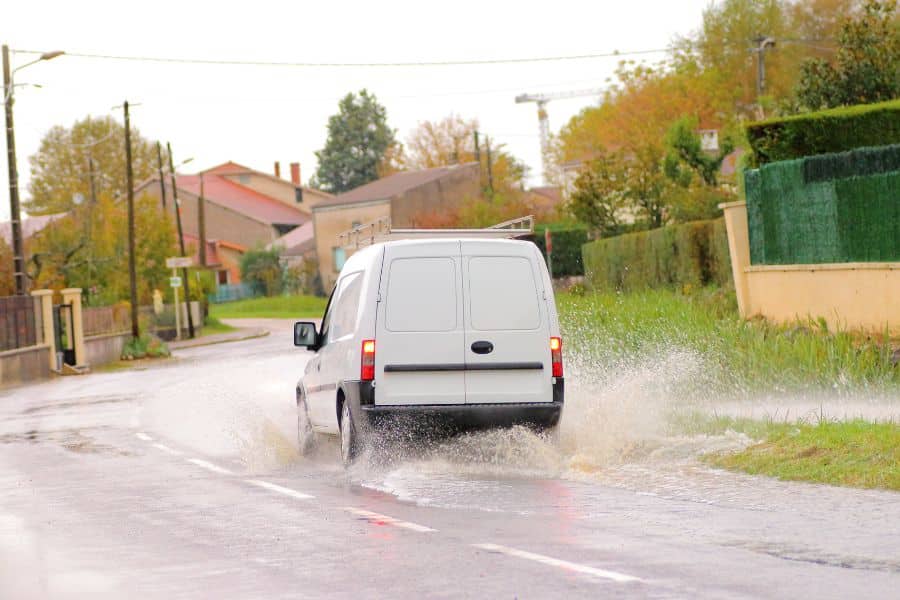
350, 441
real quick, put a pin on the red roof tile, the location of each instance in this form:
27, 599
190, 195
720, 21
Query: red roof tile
239, 198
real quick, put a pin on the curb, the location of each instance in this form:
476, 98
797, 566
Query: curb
252, 336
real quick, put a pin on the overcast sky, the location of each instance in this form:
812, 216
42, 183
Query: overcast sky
257, 115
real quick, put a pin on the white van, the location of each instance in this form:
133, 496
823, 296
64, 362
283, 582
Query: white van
440, 333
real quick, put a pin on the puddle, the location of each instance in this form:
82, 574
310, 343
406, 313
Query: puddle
73, 440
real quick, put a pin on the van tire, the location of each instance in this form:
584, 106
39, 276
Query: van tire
350, 442
306, 437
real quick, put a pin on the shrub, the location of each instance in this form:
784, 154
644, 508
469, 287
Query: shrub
144, 346
567, 242
261, 270
826, 131
692, 254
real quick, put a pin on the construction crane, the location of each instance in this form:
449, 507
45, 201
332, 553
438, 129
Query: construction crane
542, 100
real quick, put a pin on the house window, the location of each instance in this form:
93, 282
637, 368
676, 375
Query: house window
354, 224
339, 257
298, 194
244, 179
223, 277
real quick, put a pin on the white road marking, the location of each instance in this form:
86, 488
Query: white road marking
378, 518
555, 562
143, 436
165, 448
281, 490
209, 466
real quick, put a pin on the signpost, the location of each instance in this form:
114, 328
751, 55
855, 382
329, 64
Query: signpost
178, 262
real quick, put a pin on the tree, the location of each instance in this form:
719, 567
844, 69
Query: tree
88, 248
358, 139
61, 168
599, 198
7, 283
684, 150
261, 270
866, 67
451, 141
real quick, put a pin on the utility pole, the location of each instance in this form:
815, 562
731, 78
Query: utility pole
132, 275
14, 211
490, 166
763, 43
91, 179
184, 271
162, 181
201, 223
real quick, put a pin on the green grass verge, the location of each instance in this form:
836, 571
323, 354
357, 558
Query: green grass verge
276, 307
851, 453
604, 329
213, 326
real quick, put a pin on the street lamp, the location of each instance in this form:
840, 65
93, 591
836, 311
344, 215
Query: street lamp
177, 207
14, 212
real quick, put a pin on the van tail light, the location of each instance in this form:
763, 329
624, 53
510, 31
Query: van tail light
556, 356
367, 361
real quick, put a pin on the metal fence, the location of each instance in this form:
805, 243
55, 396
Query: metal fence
230, 293
103, 320
19, 322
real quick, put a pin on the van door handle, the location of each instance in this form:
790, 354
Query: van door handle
482, 347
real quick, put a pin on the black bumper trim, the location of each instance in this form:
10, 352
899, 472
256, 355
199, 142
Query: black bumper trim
498, 366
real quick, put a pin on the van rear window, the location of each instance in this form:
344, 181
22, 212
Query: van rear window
421, 295
502, 293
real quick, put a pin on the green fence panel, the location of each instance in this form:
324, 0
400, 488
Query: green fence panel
796, 215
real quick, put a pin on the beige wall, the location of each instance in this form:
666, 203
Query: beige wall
854, 296
279, 189
221, 223
436, 196
329, 222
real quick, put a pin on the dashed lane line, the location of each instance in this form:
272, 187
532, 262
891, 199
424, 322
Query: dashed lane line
209, 466
279, 489
143, 436
562, 564
386, 520
166, 449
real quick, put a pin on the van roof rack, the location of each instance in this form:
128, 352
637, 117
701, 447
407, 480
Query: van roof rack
380, 230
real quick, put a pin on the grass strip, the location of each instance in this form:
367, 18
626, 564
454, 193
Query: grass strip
275, 307
850, 453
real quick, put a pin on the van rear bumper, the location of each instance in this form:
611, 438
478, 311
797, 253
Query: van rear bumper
439, 418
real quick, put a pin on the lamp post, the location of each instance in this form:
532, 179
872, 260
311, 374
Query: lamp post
14, 211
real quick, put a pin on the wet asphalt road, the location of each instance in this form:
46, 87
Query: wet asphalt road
182, 481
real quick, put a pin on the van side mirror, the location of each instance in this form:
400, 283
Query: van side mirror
305, 335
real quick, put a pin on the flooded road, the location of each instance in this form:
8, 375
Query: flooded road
183, 480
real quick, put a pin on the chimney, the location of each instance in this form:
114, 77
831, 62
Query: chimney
295, 174
277, 169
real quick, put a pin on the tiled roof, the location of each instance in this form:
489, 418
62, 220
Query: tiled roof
392, 185
241, 199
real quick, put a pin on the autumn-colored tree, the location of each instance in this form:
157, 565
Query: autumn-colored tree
61, 168
88, 248
7, 282
599, 199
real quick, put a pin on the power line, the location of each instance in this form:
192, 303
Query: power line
439, 63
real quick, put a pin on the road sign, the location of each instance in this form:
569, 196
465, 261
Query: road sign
179, 262
175, 282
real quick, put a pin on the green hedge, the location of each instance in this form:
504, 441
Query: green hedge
567, 242
827, 131
834, 208
694, 253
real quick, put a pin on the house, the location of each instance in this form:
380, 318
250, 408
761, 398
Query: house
30, 226
237, 216
292, 193
403, 197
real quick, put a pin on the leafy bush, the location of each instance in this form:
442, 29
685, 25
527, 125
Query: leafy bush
145, 346
834, 130
567, 242
262, 271
693, 254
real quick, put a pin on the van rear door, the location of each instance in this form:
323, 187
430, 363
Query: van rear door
419, 356
507, 332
